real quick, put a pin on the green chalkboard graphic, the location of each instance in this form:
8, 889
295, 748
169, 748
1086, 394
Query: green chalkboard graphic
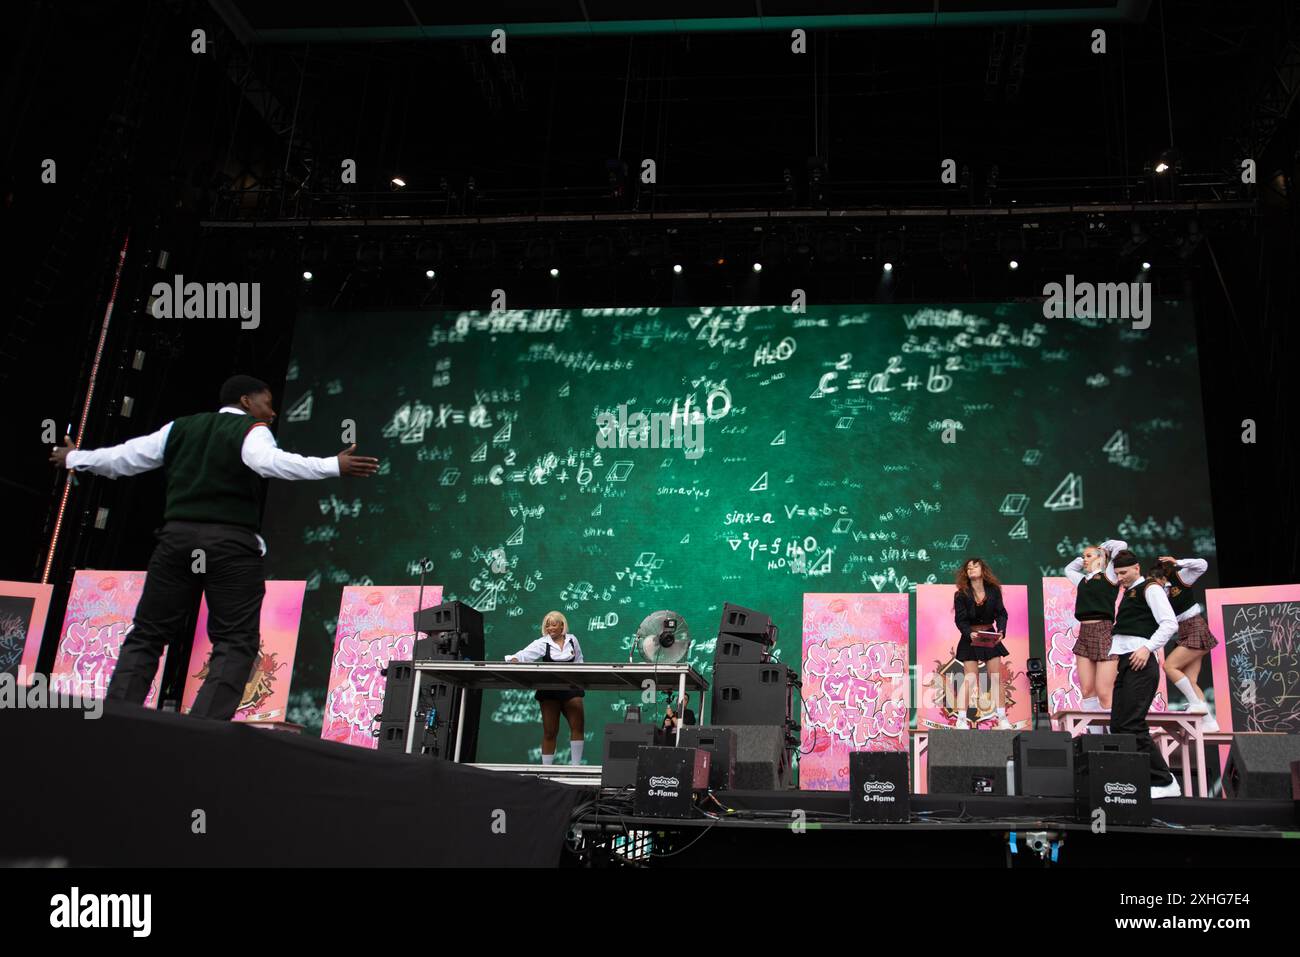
845, 449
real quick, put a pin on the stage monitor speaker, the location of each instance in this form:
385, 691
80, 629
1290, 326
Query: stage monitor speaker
667, 780
619, 752
754, 694
1259, 765
747, 623
435, 715
1044, 764
1116, 782
454, 630
721, 745
879, 787
734, 650
968, 762
762, 758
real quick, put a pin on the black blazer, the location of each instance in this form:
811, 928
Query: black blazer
969, 615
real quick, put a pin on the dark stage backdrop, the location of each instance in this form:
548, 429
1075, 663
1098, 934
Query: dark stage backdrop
825, 466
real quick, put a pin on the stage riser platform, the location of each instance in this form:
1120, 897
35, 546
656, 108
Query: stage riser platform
129, 789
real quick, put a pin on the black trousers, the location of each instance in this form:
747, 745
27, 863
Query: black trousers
223, 562
1135, 689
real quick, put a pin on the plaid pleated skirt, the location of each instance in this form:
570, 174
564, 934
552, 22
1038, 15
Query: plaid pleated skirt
1093, 642
1194, 634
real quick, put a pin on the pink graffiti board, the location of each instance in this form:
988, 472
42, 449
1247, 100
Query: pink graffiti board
100, 610
855, 683
374, 626
266, 696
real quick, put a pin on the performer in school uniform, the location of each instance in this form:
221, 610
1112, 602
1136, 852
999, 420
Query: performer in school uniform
978, 606
556, 644
1143, 624
1183, 664
1096, 589
214, 463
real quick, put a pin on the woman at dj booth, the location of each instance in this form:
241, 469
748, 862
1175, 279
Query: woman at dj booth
557, 645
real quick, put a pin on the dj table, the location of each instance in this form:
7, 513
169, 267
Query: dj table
548, 676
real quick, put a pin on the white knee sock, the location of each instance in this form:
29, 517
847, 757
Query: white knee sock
548, 759
1090, 704
575, 750
1184, 684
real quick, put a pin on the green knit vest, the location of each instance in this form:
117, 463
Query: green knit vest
207, 480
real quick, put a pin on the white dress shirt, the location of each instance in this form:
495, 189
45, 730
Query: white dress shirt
259, 452
1190, 569
1074, 571
536, 650
1158, 602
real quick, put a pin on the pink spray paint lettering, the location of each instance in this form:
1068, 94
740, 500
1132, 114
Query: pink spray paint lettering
374, 628
101, 607
855, 690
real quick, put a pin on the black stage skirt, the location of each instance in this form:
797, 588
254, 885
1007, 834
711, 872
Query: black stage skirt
559, 695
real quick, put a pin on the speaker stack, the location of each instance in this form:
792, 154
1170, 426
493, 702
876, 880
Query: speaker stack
754, 704
1259, 766
454, 632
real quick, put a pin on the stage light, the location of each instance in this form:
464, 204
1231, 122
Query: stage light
1170, 159
758, 267
677, 268
429, 273
307, 276
397, 182
1013, 265
1146, 266
889, 247
889, 267
554, 272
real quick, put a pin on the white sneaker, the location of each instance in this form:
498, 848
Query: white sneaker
1210, 724
962, 723
1005, 725
1170, 790
1196, 707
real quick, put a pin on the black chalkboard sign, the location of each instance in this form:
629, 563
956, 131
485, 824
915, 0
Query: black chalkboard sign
15, 619
1264, 665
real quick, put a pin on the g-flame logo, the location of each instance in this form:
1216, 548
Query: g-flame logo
1120, 787
659, 781
878, 787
